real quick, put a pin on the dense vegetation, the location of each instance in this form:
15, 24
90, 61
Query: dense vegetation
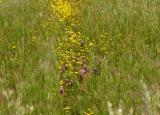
80, 57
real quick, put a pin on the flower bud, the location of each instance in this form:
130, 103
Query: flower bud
61, 90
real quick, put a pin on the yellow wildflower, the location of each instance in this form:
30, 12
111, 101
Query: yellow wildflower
61, 82
14, 47
64, 9
66, 108
91, 44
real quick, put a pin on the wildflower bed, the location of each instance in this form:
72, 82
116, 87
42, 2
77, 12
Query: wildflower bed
79, 57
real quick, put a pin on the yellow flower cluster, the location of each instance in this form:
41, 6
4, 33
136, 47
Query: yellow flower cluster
72, 54
72, 51
63, 8
102, 44
71, 46
89, 112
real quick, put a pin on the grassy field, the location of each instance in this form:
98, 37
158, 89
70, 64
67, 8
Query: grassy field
107, 50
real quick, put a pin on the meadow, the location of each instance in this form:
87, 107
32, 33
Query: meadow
79, 57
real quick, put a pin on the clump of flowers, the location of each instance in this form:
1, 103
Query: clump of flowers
71, 48
72, 55
89, 112
72, 51
63, 9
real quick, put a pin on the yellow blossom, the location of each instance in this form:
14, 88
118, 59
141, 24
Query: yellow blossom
90, 44
64, 9
66, 108
13, 46
61, 82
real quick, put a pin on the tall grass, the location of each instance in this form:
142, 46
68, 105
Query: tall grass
125, 82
